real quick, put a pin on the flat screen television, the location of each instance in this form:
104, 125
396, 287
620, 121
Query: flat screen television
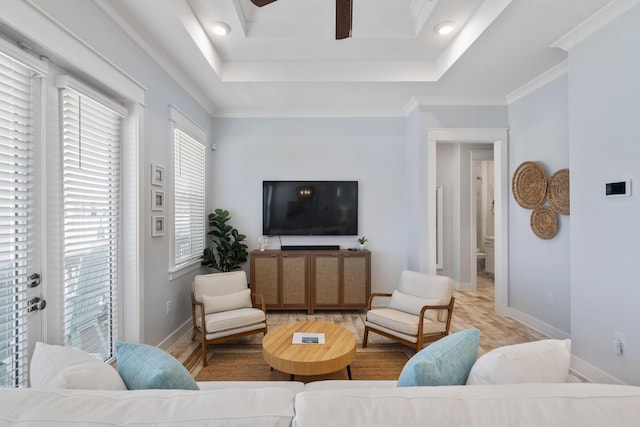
310, 208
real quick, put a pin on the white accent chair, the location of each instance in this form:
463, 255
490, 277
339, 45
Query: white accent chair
418, 312
229, 309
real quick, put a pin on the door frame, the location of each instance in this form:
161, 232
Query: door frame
499, 138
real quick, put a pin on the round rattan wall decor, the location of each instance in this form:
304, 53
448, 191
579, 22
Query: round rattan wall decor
529, 185
544, 222
558, 192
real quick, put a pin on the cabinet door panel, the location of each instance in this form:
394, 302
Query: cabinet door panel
266, 278
326, 280
355, 274
294, 280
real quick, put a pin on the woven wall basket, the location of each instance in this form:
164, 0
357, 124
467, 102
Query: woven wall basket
558, 192
544, 222
529, 185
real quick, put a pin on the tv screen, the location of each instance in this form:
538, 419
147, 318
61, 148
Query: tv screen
310, 208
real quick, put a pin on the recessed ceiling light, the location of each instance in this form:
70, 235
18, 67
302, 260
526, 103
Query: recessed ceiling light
220, 28
444, 28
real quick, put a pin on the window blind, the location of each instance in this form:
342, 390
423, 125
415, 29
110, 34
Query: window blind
189, 183
16, 111
91, 140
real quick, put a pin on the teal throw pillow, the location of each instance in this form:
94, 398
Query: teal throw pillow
143, 366
447, 361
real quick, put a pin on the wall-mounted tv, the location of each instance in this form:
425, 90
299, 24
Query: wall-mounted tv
310, 208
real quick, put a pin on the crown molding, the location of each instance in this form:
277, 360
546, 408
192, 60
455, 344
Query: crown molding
318, 113
597, 21
543, 79
460, 101
412, 104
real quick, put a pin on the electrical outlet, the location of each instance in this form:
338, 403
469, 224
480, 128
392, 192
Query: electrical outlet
169, 306
617, 344
550, 298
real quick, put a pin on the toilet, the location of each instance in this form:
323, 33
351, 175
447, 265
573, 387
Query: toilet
480, 260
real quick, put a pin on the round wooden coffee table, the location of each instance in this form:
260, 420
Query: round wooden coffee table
336, 353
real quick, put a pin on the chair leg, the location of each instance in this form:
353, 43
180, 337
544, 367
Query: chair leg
366, 336
204, 355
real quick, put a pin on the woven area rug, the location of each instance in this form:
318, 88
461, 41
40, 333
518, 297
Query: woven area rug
250, 366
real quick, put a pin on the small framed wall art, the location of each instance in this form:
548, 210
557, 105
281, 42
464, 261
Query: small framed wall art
157, 200
157, 174
157, 226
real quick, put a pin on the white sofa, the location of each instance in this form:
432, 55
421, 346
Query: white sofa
328, 403
519, 385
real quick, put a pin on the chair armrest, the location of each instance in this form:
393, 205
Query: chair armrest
263, 306
374, 295
448, 307
195, 304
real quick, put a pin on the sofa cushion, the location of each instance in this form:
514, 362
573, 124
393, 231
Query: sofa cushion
479, 406
231, 301
403, 322
225, 320
444, 362
146, 367
237, 407
413, 304
57, 367
545, 361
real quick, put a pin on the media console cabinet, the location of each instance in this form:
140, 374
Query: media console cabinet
311, 279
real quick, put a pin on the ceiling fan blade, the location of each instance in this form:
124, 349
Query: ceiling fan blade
344, 18
261, 3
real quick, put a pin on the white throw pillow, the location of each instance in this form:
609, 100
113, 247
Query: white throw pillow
545, 361
232, 301
413, 304
56, 367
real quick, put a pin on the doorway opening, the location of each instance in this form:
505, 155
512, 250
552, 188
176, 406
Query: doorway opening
482, 227
498, 139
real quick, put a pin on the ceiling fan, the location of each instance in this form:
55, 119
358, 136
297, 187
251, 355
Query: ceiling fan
344, 16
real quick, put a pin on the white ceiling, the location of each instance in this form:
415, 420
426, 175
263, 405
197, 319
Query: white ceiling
283, 59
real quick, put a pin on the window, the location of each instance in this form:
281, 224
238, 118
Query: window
91, 190
189, 191
16, 216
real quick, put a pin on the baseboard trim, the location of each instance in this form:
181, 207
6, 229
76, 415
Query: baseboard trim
538, 325
591, 373
175, 336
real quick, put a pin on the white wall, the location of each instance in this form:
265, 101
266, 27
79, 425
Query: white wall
370, 151
539, 132
604, 105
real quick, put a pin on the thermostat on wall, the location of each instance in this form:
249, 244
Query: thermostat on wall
618, 189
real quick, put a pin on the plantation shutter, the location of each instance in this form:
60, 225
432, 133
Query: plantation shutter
189, 171
16, 111
91, 140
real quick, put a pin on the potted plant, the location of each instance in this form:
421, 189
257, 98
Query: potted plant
227, 250
362, 240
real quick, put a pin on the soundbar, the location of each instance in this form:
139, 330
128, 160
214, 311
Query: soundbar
310, 247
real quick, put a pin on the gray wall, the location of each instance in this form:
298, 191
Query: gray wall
604, 105
539, 132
